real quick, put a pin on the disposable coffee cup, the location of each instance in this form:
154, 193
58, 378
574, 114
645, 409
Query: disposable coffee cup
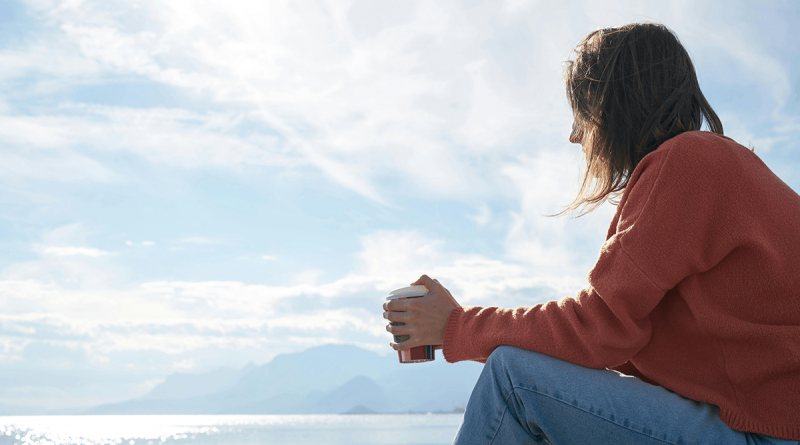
420, 353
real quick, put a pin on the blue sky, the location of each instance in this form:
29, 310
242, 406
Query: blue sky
193, 184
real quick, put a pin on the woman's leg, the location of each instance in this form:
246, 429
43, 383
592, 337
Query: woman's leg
525, 397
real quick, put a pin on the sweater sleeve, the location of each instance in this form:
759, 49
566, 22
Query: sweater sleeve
589, 330
665, 228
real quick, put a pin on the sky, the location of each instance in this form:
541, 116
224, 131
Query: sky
189, 184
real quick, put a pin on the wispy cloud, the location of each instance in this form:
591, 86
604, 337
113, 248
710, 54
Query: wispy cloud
185, 364
143, 243
200, 240
354, 145
74, 251
483, 216
194, 139
10, 348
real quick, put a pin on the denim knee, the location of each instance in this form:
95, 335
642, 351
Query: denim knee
510, 357
496, 369
502, 354
527, 368
509, 364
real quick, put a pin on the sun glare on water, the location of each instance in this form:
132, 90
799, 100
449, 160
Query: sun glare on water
229, 429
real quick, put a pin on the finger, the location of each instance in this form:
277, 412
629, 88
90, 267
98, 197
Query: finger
399, 330
397, 305
397, 316
408, 344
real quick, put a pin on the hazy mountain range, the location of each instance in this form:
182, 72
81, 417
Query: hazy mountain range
329, 379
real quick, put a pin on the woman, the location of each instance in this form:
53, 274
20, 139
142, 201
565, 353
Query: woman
689, 331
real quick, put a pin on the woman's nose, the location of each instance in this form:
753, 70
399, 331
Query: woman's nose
575, 135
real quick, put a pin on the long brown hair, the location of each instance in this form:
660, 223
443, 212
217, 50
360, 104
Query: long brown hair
630, 88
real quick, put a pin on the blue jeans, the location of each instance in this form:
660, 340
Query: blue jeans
525, 397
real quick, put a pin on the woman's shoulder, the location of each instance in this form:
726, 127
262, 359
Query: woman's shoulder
694, 163
699, 151
700, 146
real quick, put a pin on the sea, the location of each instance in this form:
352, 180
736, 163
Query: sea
346, 429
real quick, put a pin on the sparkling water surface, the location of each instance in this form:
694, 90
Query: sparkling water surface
401, 429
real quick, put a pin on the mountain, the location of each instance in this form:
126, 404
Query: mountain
17, 410
325, 379
358, 409
321, 368
184, 385
182, 393
360, 391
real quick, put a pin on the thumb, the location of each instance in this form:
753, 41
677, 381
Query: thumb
426, 281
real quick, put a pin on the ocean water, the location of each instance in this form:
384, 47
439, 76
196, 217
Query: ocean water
400, 429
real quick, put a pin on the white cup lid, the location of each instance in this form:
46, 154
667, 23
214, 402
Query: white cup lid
410, 291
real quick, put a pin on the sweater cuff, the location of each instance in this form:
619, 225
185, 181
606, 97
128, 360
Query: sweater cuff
450, 335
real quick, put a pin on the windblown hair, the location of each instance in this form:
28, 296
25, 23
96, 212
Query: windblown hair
630, 88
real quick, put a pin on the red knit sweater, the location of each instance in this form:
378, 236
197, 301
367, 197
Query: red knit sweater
696, 289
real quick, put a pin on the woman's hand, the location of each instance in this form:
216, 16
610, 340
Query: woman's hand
425, 317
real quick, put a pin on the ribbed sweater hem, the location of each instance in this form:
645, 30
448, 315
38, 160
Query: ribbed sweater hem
449, 335
737, 422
